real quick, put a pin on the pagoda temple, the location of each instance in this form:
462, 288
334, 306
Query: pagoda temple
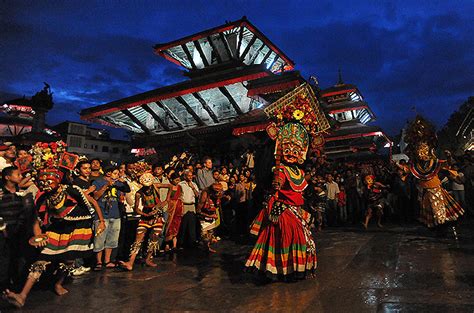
230, 69
352, 137
23, 120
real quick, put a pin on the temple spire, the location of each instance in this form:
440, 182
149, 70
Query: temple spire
340, 82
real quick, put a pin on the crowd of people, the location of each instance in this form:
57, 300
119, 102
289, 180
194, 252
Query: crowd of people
122, 213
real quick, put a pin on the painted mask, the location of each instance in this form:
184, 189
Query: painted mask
369, 180
49, 180
292, 143
147, 179
423, 152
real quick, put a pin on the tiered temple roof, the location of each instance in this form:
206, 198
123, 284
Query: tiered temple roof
223, 63
352, 136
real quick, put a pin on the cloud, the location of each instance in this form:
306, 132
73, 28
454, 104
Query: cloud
400, 54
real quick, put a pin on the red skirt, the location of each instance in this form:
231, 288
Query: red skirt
283, 247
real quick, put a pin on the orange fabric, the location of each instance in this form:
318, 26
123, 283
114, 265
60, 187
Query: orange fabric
432, 183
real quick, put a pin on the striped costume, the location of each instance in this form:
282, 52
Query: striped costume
285, 245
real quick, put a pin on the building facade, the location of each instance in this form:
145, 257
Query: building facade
93, 142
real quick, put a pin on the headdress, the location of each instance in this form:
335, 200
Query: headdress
420, 133
138, 169
297, 117
49, 158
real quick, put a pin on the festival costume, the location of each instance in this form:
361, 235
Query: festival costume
374, 196
285, 245
437, 206
211, 207
150, 200
175, 213
64, 213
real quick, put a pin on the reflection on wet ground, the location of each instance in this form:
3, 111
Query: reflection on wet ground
395, 269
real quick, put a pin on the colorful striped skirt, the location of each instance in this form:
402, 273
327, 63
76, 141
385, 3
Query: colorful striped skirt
438, 207
284, 247
68, 240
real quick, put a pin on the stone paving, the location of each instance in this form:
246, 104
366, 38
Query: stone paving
394, 269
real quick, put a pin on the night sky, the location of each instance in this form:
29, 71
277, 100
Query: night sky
405, 56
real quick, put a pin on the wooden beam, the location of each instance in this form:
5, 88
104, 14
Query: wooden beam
189, 56
190, 111
214, 48
201, 52
170, 113
234, 104
226, 45
257, 53
241, 35
147, 108
136, 121
206, 107
247, 49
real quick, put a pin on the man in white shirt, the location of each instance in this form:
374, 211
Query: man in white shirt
332, 191
189, 223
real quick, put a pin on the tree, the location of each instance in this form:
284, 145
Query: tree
448, 136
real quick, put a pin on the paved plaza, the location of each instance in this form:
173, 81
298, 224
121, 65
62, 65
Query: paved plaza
394, 269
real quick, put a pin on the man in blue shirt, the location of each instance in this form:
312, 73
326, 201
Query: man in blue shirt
107, 193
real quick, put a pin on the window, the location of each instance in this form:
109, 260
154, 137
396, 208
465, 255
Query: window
96, 147
75, 142
77, 129
115, 150
105, 148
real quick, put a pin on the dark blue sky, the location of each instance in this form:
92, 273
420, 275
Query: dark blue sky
401, 54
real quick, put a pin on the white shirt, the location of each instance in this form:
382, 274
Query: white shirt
332, 190
3, 163
187, 195
163, 191
456, 186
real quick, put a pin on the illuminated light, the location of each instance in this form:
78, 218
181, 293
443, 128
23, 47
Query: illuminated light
135, 151
387, 145
259, 105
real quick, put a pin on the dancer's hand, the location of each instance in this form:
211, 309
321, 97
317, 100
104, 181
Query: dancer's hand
39, 241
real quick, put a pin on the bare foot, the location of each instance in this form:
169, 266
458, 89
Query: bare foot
379, 225
60, 290
14, 299
211, 250
365, 226
126, 265
149, 262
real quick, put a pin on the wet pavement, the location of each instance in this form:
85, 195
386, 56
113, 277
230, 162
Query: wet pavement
395, 269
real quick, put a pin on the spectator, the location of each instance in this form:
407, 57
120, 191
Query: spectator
16, 215
189, 231
96, 169
332, 192
107, 194
204, 177
341, 205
